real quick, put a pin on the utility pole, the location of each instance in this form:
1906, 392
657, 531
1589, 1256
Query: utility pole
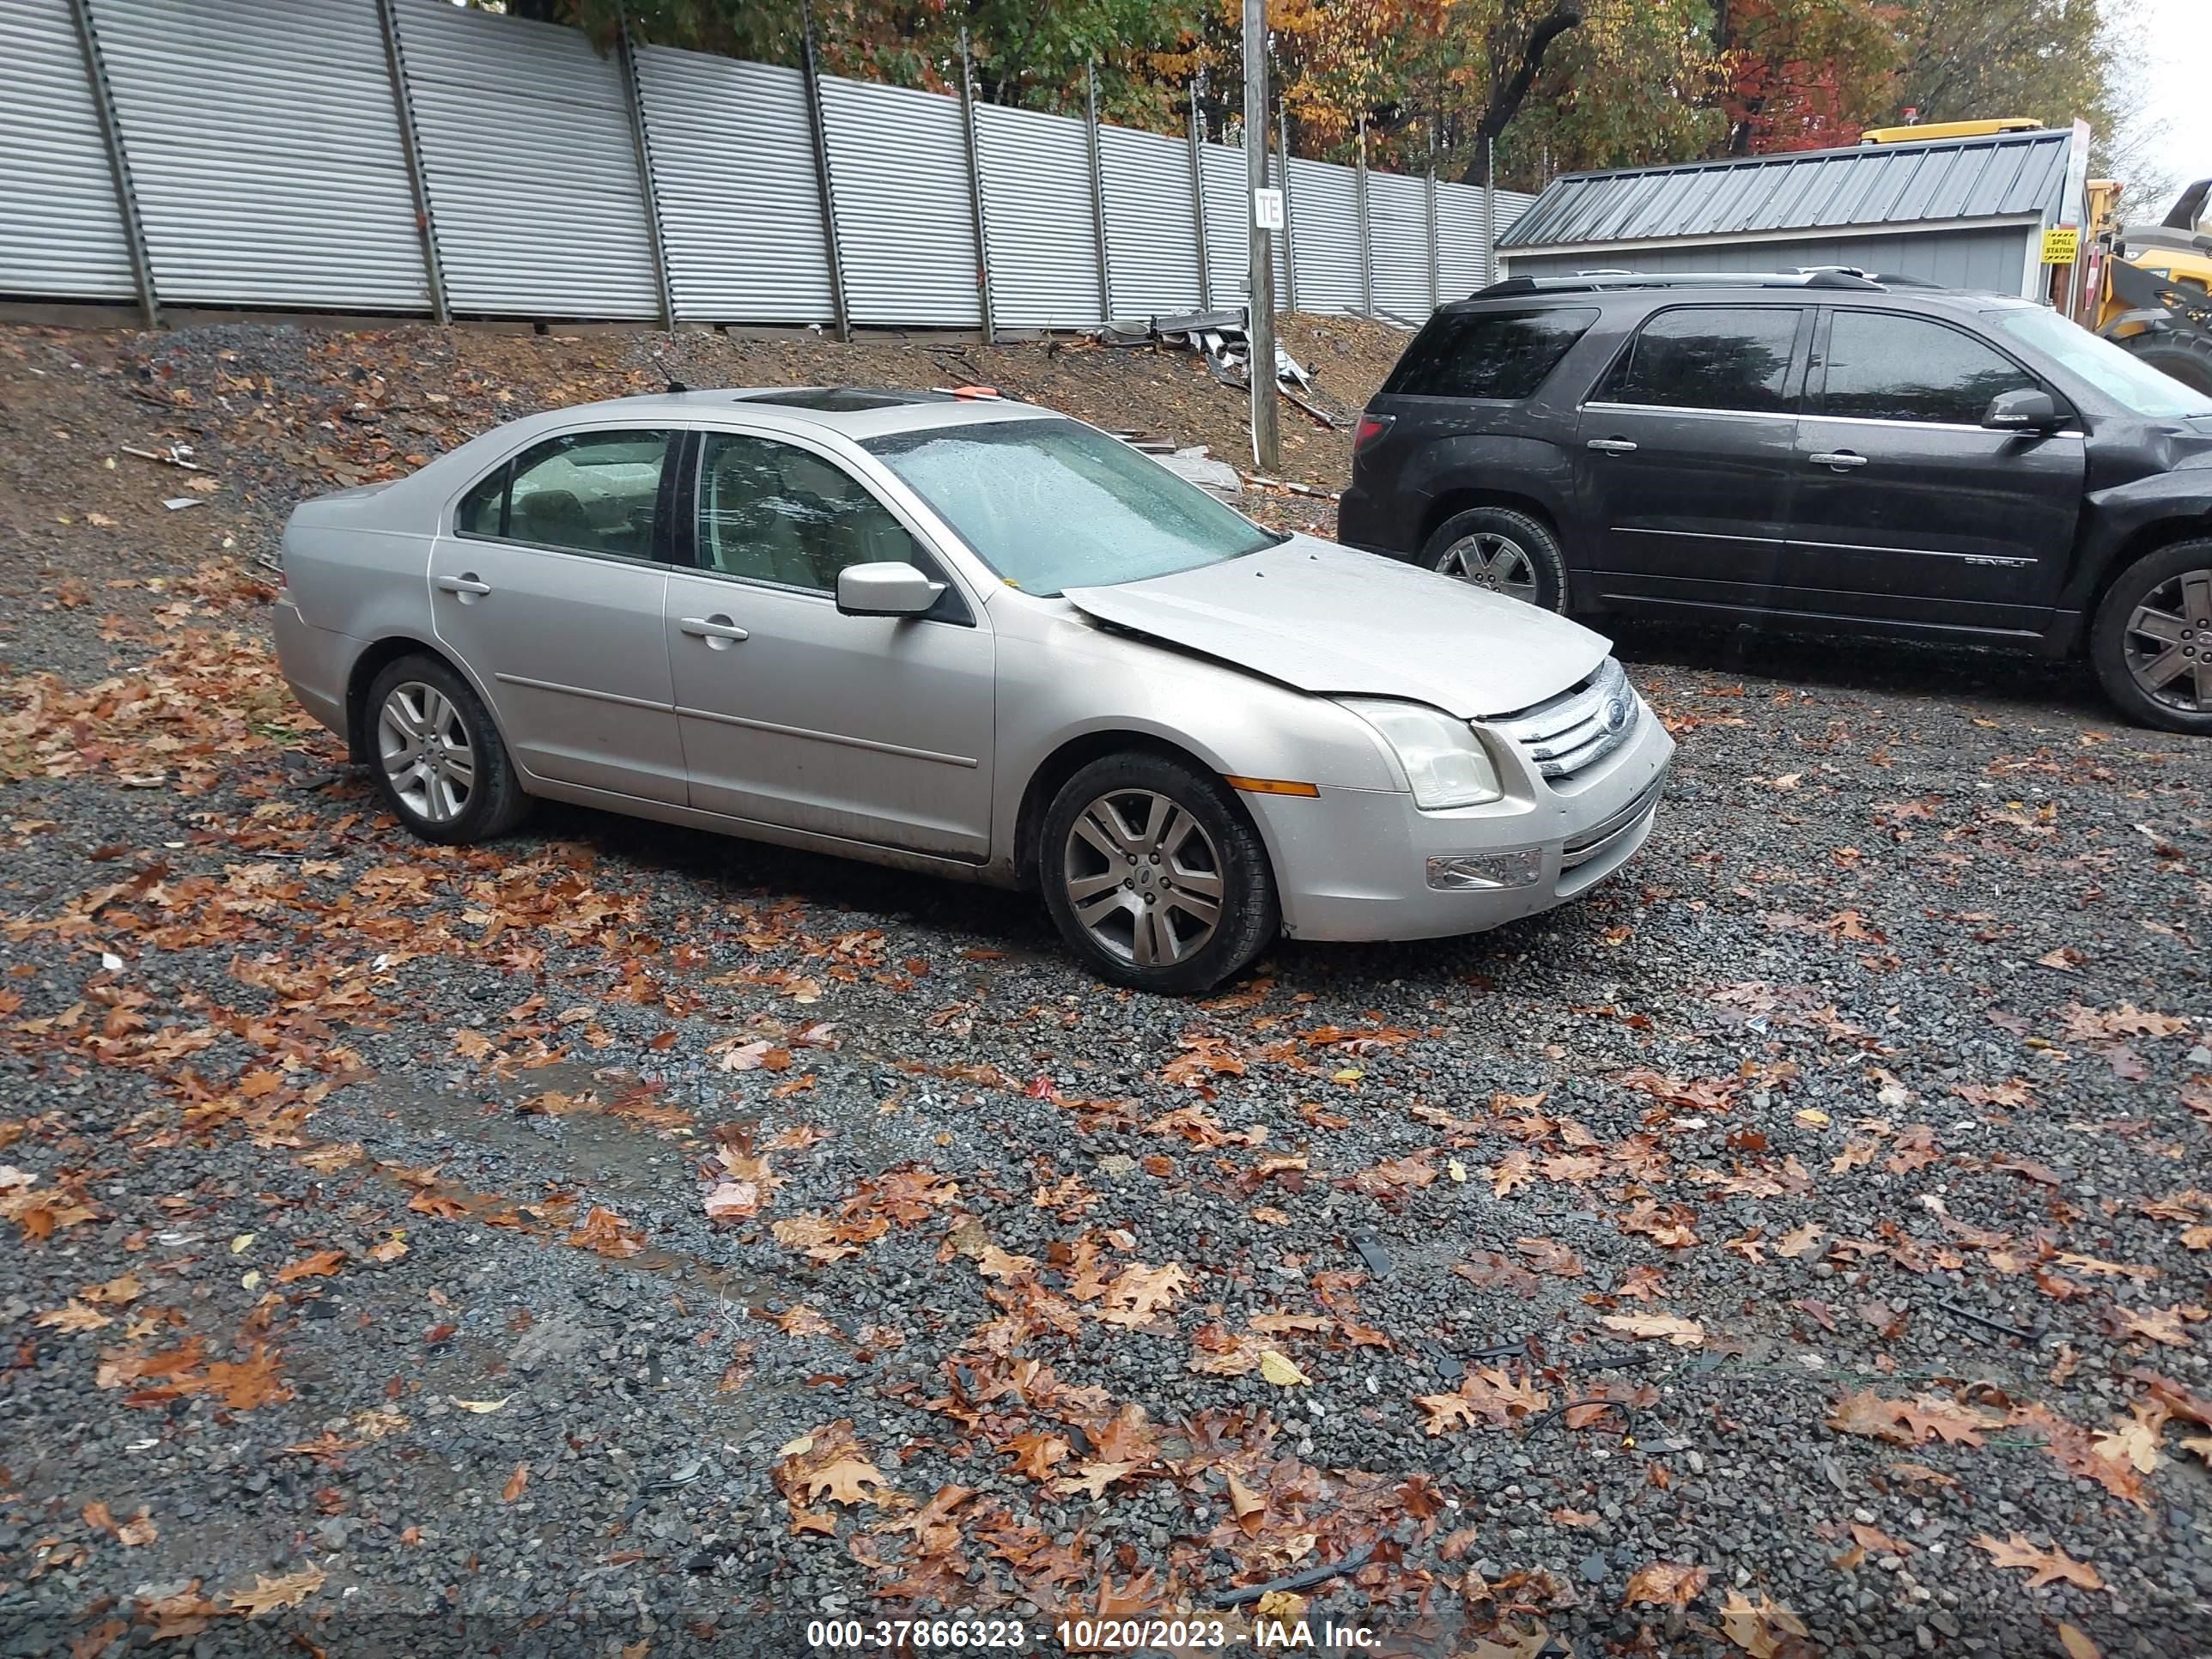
1264, 213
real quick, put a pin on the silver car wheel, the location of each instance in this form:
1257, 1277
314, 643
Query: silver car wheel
1143, 878
1486, 559
2169, 643
424, 743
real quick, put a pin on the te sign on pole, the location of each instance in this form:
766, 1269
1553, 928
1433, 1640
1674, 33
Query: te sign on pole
1268, 210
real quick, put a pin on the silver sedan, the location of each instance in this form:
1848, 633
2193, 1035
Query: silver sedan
970, 637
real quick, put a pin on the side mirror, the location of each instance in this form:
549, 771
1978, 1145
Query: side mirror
888, 589
2026, 409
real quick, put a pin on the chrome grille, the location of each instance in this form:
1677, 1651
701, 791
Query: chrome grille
1579, 727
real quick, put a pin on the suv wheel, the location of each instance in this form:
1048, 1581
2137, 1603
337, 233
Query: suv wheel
1155, 875
440, 763
1506, 551
2152, 639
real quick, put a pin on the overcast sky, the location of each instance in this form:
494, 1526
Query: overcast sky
2175, 122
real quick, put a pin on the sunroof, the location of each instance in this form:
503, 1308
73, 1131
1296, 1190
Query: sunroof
845, 399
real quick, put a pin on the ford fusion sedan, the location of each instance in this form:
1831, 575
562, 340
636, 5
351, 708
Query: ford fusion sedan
969, 637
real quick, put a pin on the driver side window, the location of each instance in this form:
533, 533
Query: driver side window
770, 512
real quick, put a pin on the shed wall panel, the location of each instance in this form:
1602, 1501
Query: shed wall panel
733, 172
1992, 259
61, 232
530, 164
898, 171
1036, 194
264, 145
1152, 243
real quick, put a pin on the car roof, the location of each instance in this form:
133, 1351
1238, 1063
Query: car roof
857, 412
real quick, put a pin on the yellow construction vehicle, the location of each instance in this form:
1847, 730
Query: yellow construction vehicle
2150, 289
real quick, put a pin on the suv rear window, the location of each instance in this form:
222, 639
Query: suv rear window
1487, 353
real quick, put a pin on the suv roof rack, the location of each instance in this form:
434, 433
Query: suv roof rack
1586, 282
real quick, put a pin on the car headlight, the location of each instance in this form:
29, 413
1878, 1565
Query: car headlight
1445, 761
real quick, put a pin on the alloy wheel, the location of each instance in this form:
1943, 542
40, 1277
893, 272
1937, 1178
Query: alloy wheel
1143, 878
424, 743
2169, 643
1489, 560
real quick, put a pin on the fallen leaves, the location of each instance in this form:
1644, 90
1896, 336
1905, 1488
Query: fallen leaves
1490, 1396
1683, 1332
1665, 1584
827, 1463
1139, 1293
2052, 1566
1759, 1627
288, 1590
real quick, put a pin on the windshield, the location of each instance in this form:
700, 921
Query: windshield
1050, 505
2133, 385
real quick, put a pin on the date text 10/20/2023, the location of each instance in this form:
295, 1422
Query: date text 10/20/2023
1082, 1635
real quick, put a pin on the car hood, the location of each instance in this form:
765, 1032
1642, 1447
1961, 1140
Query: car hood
1330, 620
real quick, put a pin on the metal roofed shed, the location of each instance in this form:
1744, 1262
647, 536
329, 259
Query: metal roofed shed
1963, 212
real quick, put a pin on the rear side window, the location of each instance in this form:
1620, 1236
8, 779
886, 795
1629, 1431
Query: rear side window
1487, 353
1883, 368
1708, 357
587, 492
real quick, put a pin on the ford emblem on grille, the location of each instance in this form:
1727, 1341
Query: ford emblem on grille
1616, 714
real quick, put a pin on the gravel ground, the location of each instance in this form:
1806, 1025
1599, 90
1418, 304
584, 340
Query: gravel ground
622, 1240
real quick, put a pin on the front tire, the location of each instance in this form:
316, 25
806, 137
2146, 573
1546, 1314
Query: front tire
2151, 642
437, 757
1155, 875
1504, 551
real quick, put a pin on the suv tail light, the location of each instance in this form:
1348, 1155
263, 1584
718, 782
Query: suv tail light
1370, 428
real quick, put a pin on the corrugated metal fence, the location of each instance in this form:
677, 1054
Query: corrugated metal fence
411, 156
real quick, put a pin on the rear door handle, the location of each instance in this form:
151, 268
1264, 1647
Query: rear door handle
1611, 446
718, 631
1842, 459
466, 583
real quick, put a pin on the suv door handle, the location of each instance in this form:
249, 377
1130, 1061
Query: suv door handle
1611, 446
465, 585
1842, 459
717, 630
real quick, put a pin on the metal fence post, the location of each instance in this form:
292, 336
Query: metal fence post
411, 148
1428, 193
1198, 202
1290, 228
118, 164
1097, 192
1366, 242
975, 192
1489, 211
626, 59
817, 132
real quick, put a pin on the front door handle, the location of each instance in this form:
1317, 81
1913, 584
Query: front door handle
1842, 459
467, 585
1611, 446
717, 630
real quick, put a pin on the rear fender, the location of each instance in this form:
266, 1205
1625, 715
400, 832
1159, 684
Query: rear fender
1534, 470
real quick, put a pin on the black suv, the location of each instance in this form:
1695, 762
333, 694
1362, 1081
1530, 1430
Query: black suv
1820, 450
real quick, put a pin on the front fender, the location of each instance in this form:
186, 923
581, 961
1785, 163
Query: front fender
2143, 513
1072, 680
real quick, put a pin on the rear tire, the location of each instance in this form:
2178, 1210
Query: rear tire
1501, 550
437, 757
2151, 641
1155, 875
2186, 357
